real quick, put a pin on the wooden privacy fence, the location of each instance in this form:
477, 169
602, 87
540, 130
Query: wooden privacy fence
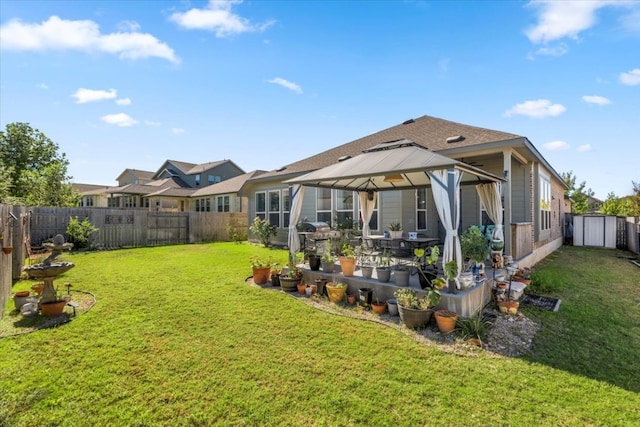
135, 227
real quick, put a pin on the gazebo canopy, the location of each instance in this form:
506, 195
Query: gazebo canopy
399, 165
392, 165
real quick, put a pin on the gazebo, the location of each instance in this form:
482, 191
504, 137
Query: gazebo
399, 165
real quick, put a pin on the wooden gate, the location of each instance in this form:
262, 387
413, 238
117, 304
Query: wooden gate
168, 228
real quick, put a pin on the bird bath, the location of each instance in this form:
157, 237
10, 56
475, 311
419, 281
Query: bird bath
49, 269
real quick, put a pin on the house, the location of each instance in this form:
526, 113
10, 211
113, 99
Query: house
532, 192
93, 195
168, 189
134, 176
224, 196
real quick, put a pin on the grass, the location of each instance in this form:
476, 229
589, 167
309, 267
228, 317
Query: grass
177, 338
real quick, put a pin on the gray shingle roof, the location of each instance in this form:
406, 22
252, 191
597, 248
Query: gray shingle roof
231, 185
429, 132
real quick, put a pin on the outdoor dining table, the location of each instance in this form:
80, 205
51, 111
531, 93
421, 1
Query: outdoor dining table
402, 246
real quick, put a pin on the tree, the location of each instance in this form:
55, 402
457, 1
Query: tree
33, 171
636, 198
579, 195
618, 206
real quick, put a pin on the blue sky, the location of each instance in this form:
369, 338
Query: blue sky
129, 84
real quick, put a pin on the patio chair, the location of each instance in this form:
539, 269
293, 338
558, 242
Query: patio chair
35, 254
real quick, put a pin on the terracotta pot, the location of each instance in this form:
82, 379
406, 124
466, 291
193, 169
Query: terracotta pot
378, 307
52, 308
335, 293
301, 288
347, 265
446, 320
21, 294
261, 275
314, 288
37, 288
509, 307
7, 249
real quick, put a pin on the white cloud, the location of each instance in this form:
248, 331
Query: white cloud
557, 50
151, 123
120, 119
287, 84
177, 131
83, 95
632, 78
595, 99
123, 101
559, 19
537, 109
128, 26
218, 17
556, 145
42, 86
81, 35
584, 148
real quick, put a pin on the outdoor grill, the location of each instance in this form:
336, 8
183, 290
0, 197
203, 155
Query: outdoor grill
314, 236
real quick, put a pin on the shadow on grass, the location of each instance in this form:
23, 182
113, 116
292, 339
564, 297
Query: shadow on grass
596, 332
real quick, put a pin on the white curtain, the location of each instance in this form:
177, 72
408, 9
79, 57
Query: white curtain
441, 196
366, 207
296, 193
490, 196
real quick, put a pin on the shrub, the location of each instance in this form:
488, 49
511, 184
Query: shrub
236, 233
264, 230
78, 232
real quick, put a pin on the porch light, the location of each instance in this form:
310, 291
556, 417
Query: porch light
394, 177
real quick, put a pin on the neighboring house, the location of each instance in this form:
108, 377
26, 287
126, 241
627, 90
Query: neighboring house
93, 195
532, 194
134, 176
223, 196
594, 204
198, 176
168, 189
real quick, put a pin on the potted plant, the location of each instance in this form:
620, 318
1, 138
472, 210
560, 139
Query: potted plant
414, 309
261, 269
327, 262
446, 319
314, 260
395, 230
383, 267
426, 265
290, 278
56, 306
366, 264
509, 305
401, 275
378, 307
336, 291
347, 259
392, 306
275, 274
474, 246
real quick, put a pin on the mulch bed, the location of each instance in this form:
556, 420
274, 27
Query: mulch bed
13, 323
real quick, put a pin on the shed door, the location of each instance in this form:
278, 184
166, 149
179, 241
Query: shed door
594, 231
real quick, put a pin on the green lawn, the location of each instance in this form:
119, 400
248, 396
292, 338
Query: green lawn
177, 338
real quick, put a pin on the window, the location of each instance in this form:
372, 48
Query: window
274, 208
286, 207
421, 209
197, 179
545, 203
344, 208
203, 205
323, 205
113, 202
261, 205
212, 179
223, 203
130, 201
87, 201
